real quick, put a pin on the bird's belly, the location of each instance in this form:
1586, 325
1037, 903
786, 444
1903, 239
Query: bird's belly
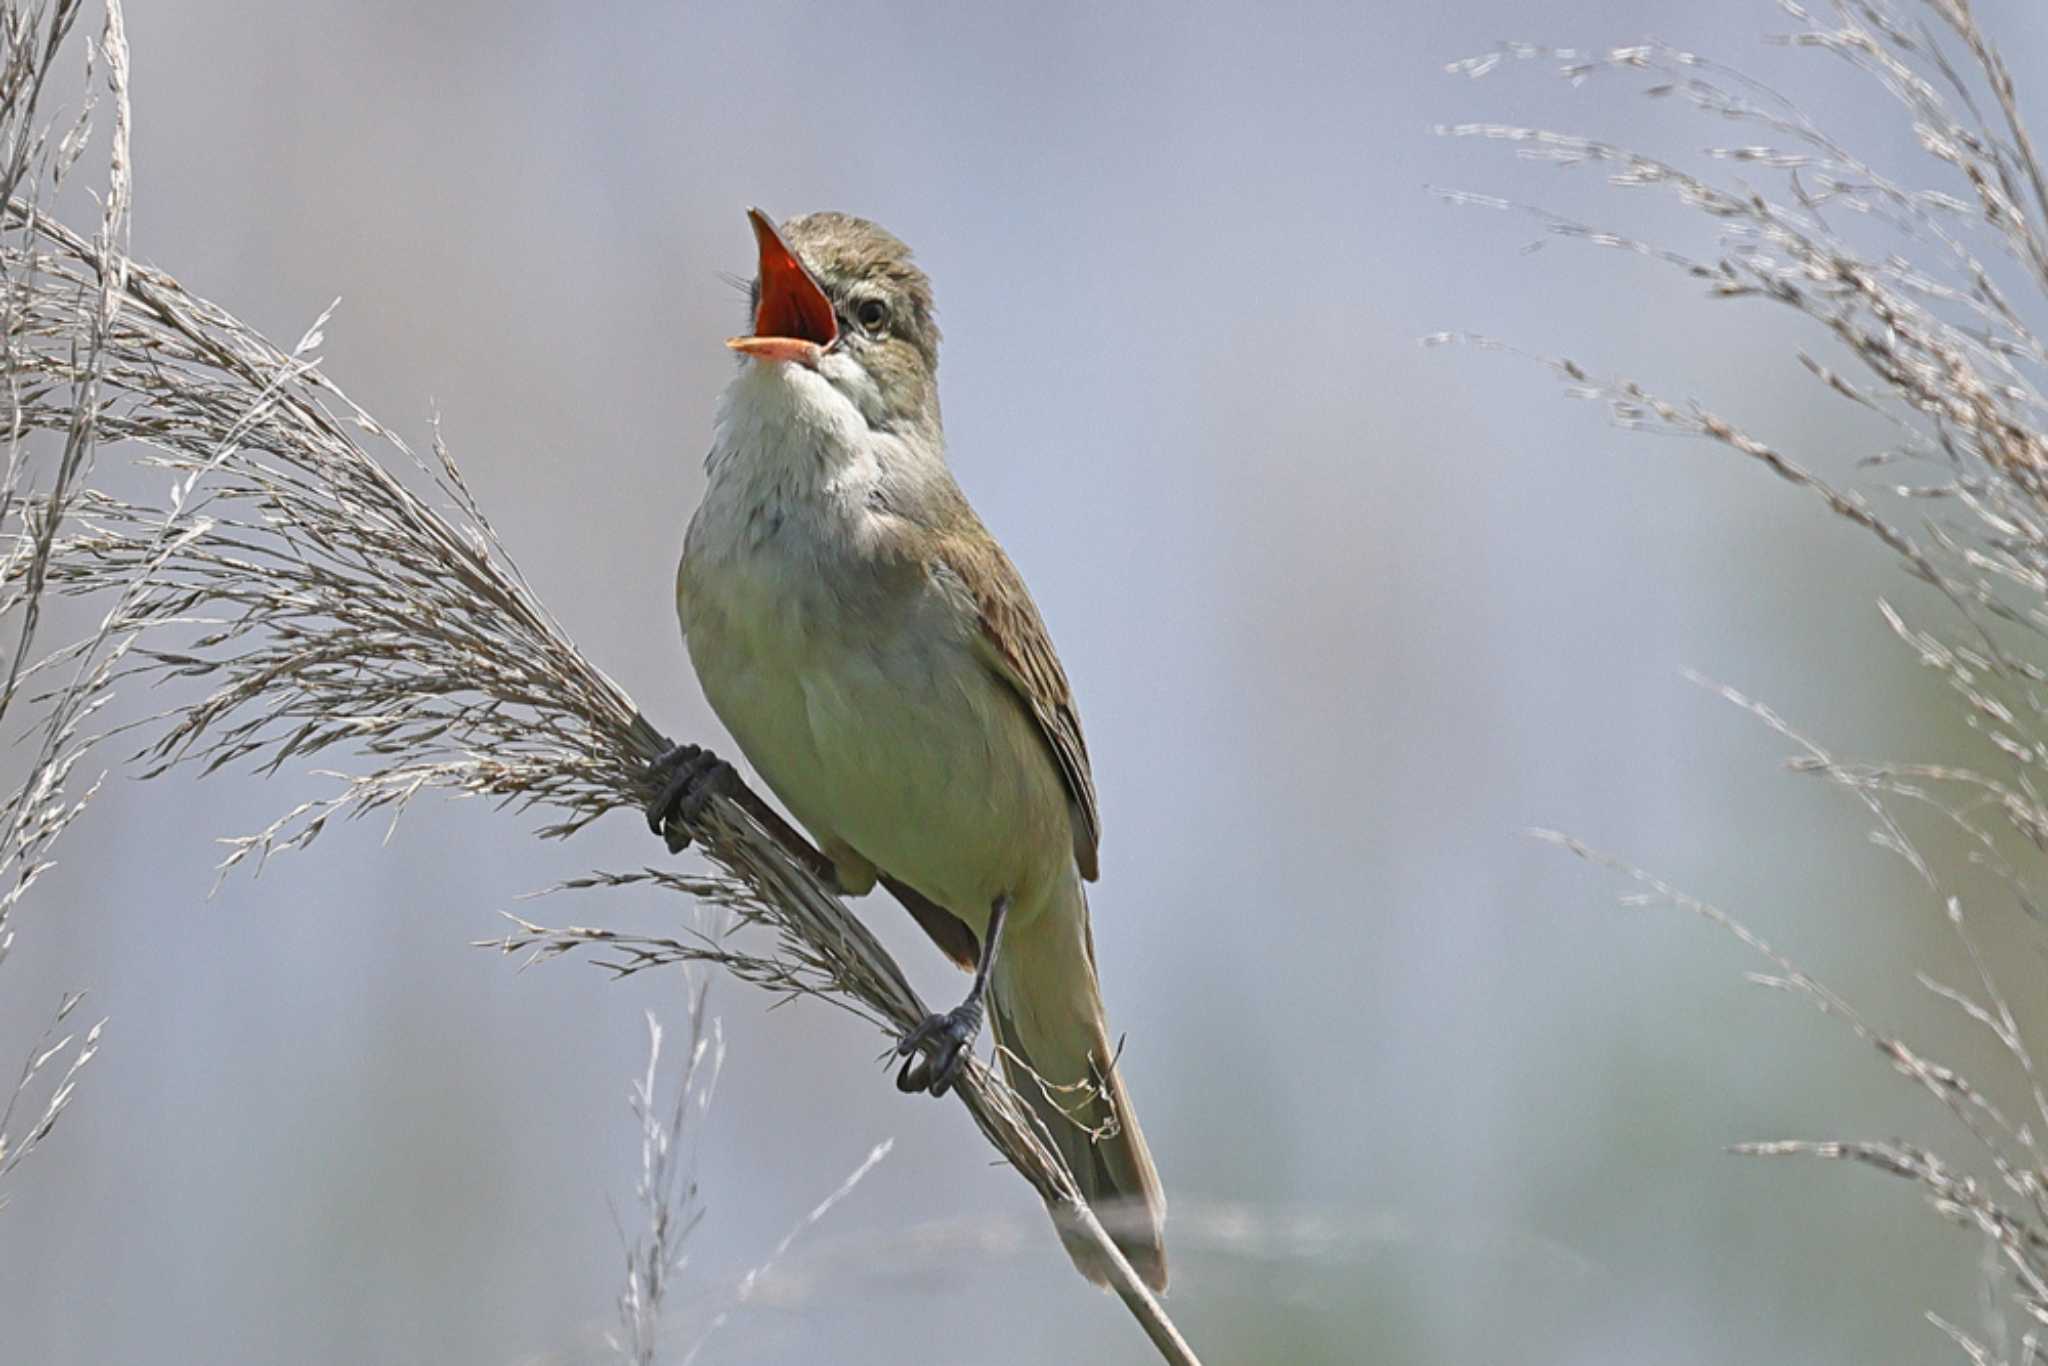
887, 734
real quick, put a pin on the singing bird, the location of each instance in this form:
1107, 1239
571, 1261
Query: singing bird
876, 656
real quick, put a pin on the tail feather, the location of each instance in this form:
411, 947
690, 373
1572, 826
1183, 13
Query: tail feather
1048, 1020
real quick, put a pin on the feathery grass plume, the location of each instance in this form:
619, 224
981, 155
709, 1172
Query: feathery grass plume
1934, 325
35, 158
300, 599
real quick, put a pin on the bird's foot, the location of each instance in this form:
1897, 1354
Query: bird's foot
690, 777
937, 1050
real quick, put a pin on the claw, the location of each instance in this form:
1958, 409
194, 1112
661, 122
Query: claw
937, 1050
691, 777
666, 767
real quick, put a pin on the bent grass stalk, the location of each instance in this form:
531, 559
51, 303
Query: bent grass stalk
301, 600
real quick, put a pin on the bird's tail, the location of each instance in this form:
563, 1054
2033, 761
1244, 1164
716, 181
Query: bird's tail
1048, 1022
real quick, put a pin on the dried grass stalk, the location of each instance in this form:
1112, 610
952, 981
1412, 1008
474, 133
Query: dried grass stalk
666, 1191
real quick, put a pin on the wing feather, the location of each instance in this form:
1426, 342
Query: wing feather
1018, 649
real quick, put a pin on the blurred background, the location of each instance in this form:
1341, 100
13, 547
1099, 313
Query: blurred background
1345, 616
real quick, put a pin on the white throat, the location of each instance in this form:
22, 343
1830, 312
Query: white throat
784, 426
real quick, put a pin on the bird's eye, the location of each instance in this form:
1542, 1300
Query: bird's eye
872, 315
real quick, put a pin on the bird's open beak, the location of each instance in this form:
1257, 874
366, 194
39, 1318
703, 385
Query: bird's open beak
794, 319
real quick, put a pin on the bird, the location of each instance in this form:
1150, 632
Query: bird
875, 654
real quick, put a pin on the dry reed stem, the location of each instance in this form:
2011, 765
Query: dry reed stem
324, 605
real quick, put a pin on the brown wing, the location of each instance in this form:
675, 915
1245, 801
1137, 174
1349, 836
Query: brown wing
1019, 651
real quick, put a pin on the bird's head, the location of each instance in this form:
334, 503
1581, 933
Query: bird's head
839, 296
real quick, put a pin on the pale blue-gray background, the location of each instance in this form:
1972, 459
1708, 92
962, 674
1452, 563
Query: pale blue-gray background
1345, 615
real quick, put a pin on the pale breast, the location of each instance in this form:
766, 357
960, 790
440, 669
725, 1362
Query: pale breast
849, 678
872, 718
751, 617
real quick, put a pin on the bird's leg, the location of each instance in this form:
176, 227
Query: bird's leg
690, 777
940, 1046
